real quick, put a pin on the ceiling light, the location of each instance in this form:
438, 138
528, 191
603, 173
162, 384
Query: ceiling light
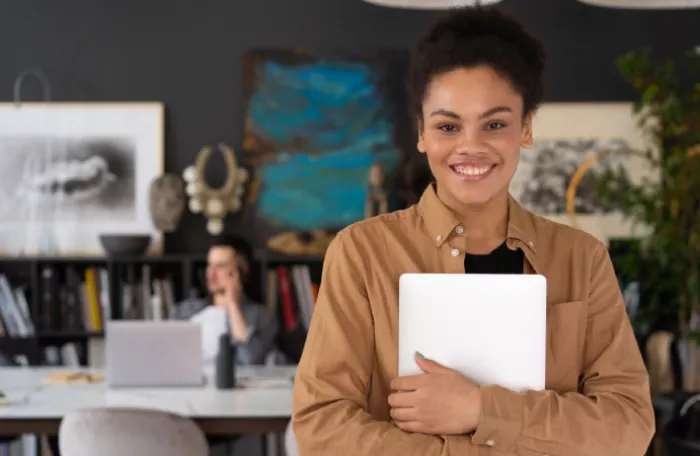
644, 4
429, 4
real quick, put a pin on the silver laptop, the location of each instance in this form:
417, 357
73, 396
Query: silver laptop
490, 327
153, 354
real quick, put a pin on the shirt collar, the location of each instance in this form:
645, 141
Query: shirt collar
245, 300
441, 222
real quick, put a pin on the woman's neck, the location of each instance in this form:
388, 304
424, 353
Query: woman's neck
485, 225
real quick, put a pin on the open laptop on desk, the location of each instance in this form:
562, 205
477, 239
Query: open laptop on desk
153, 354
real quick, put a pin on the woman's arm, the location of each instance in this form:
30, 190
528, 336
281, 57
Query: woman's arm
333, 376
611, 415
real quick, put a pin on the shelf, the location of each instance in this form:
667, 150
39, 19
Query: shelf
16, 340
178, 258
60, 335
289, 259
12, 346
69, 335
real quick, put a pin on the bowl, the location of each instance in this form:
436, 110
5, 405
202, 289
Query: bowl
125, 244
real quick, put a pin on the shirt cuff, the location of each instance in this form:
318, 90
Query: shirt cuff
501, 418
249, 334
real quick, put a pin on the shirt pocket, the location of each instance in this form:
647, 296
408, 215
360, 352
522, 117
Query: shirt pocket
566, 330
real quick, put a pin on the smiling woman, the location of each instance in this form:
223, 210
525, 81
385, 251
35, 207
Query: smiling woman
475, 80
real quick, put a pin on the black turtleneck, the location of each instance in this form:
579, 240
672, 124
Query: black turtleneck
501, 260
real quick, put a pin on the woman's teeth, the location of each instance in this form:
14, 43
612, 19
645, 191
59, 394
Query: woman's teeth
471, 170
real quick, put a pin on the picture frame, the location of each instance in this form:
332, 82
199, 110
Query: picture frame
316, 123
584, 138
74, 171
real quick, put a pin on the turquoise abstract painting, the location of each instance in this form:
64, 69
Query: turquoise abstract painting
314, 125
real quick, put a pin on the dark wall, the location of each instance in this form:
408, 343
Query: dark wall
187, 54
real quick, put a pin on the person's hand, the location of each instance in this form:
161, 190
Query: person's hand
439, 402
233, 288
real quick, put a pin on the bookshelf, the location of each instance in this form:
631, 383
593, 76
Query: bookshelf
48, 303
290, 287
67, 298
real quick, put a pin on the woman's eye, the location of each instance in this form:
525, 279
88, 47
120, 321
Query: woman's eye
448, 128
495, 125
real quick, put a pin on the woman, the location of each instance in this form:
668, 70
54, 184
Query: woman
474, 82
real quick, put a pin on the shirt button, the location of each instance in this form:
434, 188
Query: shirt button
490, 443
455, 252
459, 229
439, 238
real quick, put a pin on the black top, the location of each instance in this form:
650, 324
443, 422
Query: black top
501, 260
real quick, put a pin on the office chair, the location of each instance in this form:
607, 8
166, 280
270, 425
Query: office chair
290, 442
120, 431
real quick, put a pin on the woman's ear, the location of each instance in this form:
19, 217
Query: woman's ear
421, 142
526, 138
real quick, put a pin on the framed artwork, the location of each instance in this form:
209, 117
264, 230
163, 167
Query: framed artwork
315, 123
566, 135
74, 171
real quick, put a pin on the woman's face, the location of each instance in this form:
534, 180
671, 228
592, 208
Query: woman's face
472, 131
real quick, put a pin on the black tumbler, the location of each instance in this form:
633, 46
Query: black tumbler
226, 363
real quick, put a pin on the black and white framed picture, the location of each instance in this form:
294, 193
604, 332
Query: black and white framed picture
567, 137
72, 171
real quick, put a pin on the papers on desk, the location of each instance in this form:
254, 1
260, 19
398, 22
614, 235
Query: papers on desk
262, 383
72, 377
214, 322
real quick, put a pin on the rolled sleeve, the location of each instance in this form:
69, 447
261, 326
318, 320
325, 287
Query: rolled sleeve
610, 415
252, 330
333, 376
500, 426
260, 336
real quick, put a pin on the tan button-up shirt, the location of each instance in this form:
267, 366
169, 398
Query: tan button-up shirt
597, 400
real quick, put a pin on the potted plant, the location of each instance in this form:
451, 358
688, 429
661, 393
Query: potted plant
667, 263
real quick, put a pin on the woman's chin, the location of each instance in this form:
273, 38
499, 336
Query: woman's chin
475, 197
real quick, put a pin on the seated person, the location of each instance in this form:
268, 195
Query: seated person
252, 327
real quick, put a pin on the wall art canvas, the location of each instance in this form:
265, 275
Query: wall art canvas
314, 125
73, 171
566, 135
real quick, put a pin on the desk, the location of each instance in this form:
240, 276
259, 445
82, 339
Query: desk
261, 405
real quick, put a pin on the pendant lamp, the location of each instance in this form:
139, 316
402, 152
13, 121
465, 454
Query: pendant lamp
644, 4
429, 4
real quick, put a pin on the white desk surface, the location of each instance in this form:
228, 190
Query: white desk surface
265, 392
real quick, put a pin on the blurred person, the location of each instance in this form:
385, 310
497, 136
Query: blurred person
252, 327
227, 307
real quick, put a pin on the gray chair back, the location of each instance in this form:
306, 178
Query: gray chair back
120, 431
290, 442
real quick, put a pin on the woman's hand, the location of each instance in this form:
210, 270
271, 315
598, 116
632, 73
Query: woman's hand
439, 402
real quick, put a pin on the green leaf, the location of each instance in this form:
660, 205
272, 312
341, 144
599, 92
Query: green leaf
670, 206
